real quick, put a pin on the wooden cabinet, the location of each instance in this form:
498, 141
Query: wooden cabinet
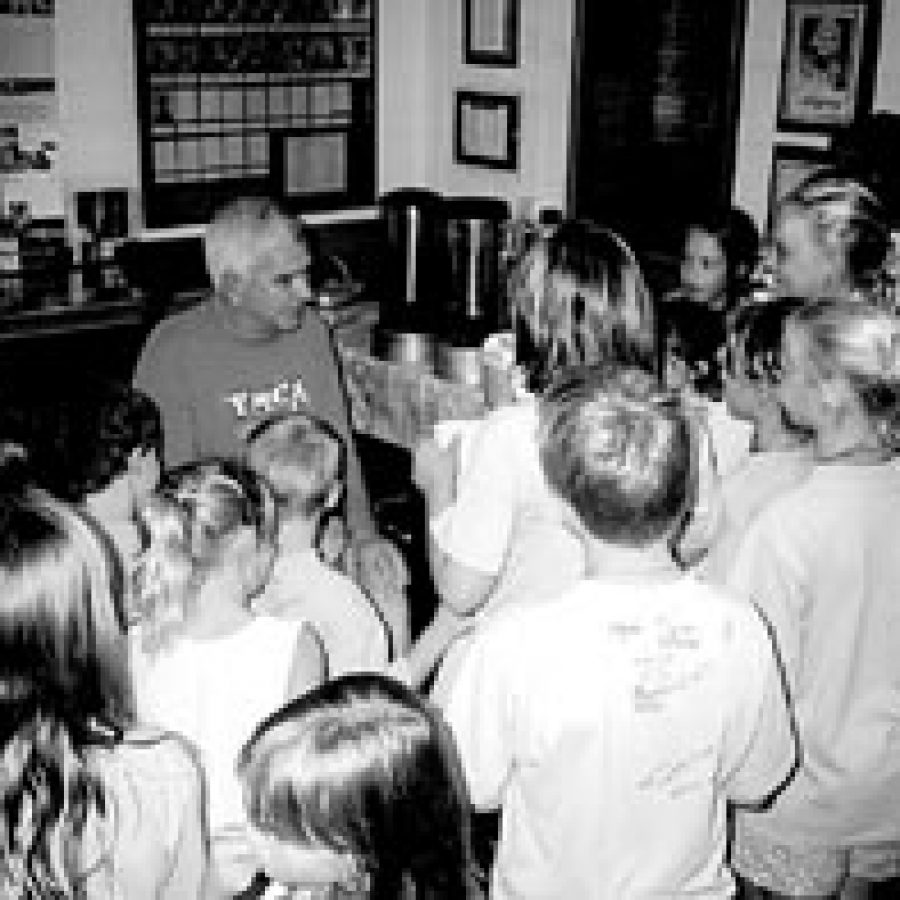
255, 96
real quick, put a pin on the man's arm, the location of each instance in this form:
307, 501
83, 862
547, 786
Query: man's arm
337, 412
159, 373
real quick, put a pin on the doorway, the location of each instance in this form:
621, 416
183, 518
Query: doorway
656, 88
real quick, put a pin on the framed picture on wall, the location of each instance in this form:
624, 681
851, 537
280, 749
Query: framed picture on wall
790, 165
491, 32
486, 130
828, 66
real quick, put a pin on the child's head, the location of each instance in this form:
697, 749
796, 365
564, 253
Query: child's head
589, 303
108, 434
693, 338
116, 435
831, 235
720, 250
209, 533
618, 451
754, 366
362, 769
841, 362
64, 688
304, 460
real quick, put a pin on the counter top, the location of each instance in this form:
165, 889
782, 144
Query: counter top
400, 403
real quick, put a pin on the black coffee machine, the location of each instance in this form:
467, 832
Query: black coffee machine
474, 230
441, 279
414, 283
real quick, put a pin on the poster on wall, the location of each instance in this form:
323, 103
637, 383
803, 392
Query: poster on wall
828, 68
30, 182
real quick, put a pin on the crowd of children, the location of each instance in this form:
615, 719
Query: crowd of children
665, 649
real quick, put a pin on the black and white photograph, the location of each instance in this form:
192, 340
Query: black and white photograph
449, 449
828, 66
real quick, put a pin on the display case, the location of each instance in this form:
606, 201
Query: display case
255, 96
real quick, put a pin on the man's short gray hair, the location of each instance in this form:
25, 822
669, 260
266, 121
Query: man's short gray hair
239, 233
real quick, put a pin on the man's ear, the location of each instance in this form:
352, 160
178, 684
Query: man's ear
834, 392
231, 285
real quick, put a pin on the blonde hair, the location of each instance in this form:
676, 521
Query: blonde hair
302, 457
619, 451
859, 342
847, 213
189, 525
241, 232
583, 300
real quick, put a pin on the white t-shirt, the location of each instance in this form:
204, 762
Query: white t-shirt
731, 437
611, 726
303, 588
151, 845
215, 692
823, 562
742, 496
505, 520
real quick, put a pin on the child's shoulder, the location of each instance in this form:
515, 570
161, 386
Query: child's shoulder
154, 754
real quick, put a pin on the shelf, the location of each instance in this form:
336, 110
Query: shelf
205, 29
220, 93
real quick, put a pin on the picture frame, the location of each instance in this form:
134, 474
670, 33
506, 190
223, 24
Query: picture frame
491, 32
486, 130
791, 164
828, 64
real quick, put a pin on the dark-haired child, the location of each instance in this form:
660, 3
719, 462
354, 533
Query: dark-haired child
720, 249
104, 456
612, 724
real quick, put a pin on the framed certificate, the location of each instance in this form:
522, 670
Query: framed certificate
487, 130
491, 32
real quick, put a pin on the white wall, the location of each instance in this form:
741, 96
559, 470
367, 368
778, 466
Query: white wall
98, 103
420, 59
422, 68
403, 94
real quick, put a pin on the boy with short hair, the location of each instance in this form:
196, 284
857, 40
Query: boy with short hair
304, 459
613, 724
106, 457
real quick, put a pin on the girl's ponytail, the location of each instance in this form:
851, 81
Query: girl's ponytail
861, 341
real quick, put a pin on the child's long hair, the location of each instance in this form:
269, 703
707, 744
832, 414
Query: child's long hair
189, 525
861, 343
582, 300
64, 690
365, 767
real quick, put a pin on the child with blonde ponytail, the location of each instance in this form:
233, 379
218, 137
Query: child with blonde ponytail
205, 664
822, 562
